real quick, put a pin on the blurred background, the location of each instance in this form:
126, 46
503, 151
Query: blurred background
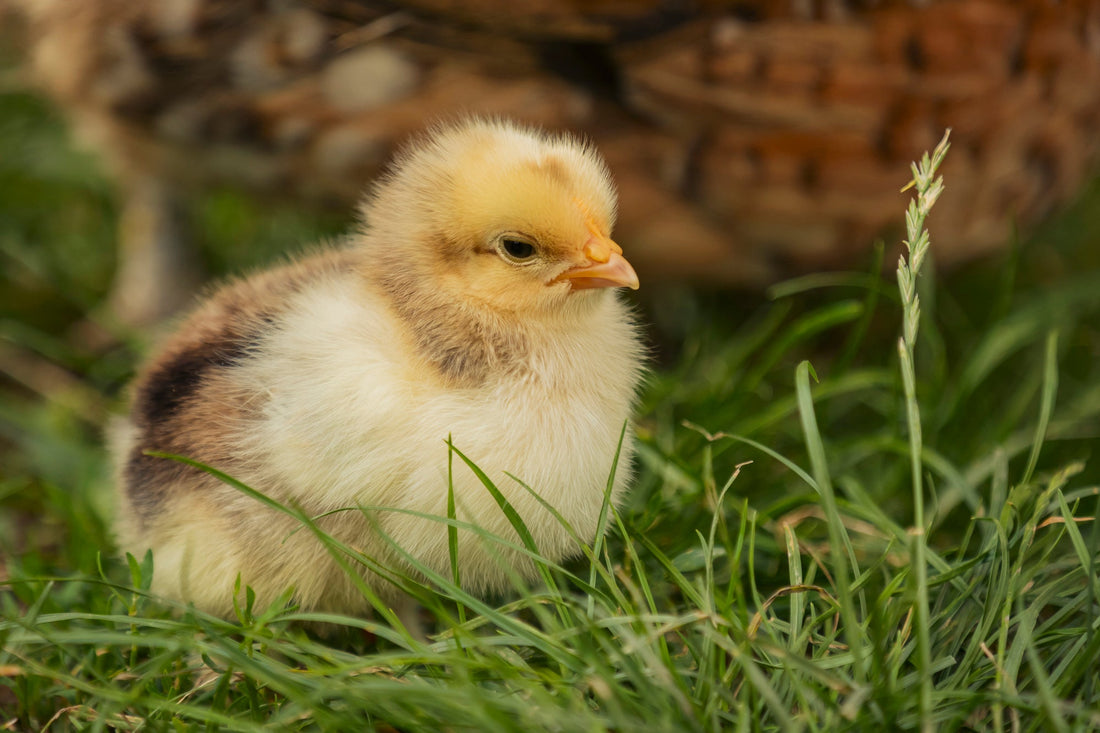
750, 140
147, 146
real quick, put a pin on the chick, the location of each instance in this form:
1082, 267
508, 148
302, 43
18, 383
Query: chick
478, 303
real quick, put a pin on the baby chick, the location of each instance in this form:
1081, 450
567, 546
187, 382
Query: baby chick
477, 303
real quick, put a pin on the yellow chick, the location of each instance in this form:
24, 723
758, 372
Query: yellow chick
477, 302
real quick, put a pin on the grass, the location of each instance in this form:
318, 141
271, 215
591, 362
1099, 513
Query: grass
827, 532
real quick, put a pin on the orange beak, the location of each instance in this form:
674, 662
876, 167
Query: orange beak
606, 267
615, 273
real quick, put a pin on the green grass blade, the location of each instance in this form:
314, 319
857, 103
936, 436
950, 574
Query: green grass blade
838, 535
1046, 408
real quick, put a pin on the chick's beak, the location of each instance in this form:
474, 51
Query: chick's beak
606, 268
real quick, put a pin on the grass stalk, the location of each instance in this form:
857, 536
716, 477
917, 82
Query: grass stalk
928, 189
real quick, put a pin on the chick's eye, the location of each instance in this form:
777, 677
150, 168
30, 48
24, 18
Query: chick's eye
517, 249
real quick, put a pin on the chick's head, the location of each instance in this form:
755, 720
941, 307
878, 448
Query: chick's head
501, 217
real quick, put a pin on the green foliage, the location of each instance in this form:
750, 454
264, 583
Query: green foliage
809, 567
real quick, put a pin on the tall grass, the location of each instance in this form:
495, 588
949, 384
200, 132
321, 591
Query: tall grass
892, 538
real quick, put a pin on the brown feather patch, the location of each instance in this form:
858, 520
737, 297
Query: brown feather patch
187, 403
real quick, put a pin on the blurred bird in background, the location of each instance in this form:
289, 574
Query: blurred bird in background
750, 140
